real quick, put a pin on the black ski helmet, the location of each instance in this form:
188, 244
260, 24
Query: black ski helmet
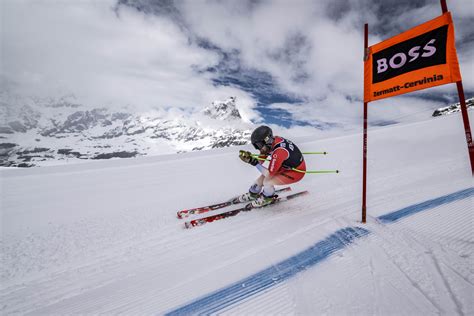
262, 136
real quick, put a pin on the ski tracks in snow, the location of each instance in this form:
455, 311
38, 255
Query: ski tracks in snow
138, 263
439, 267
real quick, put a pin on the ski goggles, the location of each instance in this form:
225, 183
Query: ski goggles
258, 145
268, 141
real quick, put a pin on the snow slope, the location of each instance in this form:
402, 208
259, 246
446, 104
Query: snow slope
103, 237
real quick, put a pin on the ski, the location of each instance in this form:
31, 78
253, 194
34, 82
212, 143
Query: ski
204, 209
246, 208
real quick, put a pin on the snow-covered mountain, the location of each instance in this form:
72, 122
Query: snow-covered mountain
453, 108
42, 131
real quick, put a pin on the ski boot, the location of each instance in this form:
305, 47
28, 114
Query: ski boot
247, 197
263, 200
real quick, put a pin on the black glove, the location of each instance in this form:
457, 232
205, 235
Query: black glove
246, 156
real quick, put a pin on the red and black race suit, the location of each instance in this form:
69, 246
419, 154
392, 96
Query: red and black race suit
284, 156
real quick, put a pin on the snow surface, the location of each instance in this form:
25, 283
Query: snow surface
103, 237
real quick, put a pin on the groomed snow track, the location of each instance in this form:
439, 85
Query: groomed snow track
103, 238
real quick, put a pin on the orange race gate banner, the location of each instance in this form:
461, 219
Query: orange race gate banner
422, 57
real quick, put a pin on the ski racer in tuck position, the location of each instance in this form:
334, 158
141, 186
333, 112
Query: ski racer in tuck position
284, 157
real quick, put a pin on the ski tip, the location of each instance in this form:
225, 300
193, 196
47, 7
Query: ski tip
191, 224
182, 214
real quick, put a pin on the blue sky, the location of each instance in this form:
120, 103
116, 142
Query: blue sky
290, 63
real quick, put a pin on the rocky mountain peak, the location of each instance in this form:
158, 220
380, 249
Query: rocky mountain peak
453, 108
223, 110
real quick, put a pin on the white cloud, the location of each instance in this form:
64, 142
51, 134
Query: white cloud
310, 48
52, 48
461, 8
330, 56
264, 36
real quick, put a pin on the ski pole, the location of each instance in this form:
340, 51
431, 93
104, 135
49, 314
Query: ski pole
302, 171
306, 153
316, 153
315, 171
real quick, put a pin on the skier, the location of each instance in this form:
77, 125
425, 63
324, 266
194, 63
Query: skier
284, 156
